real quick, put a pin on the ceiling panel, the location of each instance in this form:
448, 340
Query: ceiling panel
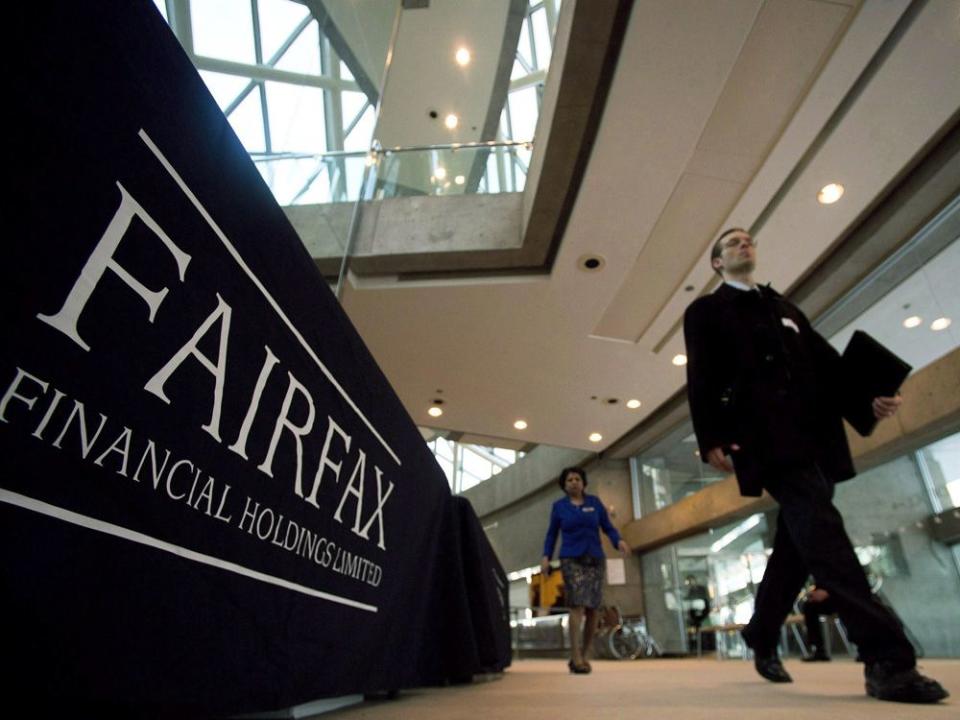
692, 212
787, 45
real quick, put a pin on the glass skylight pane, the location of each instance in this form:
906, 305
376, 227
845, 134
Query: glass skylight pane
352, 102
287, 177
304, 55
318, 192
345, 71
296, 118
223, 29
278, 19
247, 123
523, 47
504, 127
445, 448
224, 88
929, 293
541, 36
475, 465
523, 113
361, 135
517, 71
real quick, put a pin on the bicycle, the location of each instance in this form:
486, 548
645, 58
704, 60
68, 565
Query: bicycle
623, 639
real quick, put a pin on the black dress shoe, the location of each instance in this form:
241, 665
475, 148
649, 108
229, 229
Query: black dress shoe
770, 667
887, 681
578, 669
818, 656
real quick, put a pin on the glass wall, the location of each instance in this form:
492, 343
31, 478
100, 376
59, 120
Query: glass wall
917, 319
889, 513
467, 465
708, 580
941, 463
671, 470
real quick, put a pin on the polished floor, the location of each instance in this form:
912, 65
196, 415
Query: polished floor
664, 689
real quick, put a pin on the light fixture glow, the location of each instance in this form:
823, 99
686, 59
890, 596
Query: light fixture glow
435, 411
912, 321
679, 360
451, 121
941, 323
595, 437
459, 179
440, 173
370, 160
520, 424
633, 404
748, 524
462, 57
829, 194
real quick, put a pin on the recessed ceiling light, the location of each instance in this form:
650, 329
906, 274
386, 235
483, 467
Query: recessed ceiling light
595, 437
941, 323
912, 321
520, 424
451, 121
459, 179
829, 194
462, 57
440, 173
679, 360
435, 411
633, 404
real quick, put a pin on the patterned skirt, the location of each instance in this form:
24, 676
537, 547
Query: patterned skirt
582, 584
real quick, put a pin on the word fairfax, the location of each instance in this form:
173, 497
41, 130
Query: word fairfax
214, 332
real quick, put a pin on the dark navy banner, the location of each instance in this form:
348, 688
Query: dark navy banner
211, 499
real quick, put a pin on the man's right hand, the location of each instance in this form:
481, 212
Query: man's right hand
718, 459
545, 566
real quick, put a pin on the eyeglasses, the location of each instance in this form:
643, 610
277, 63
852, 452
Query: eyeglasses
735, 240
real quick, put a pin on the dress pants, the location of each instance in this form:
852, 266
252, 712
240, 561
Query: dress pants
811, 540
812, 611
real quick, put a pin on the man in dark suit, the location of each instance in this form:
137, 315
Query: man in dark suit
762, 386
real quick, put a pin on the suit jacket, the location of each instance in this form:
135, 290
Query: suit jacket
759, 376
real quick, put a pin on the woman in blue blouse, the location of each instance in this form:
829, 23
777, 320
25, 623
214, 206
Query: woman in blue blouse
580, 517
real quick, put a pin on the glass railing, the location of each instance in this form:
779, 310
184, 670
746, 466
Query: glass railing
455, 169
338, 177
308, 179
